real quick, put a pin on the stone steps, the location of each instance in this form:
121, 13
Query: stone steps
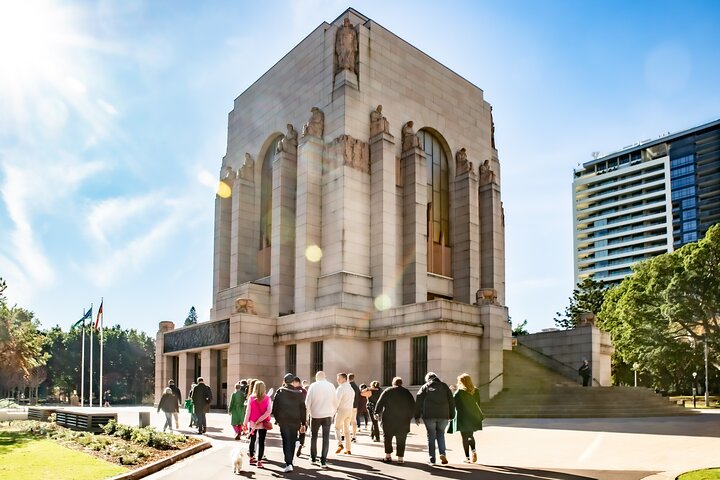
533, 391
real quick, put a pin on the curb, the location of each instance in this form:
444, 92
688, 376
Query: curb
160, 464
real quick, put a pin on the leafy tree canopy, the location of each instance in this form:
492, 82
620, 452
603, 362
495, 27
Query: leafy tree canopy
588, 297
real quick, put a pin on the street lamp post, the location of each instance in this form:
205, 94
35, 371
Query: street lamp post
635, 369
694, 389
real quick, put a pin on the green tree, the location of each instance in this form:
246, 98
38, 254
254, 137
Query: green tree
588, 297
20, 339
520, 329
192, 317
657, 315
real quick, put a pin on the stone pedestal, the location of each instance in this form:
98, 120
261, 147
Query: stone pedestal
495, 328
163, 363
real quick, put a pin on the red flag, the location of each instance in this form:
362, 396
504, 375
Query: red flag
97, 319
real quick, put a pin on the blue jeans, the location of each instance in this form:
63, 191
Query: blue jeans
289, 435
435, 431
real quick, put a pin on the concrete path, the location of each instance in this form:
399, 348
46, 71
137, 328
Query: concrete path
508, 449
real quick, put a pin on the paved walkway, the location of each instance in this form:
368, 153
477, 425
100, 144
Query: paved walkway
508, 449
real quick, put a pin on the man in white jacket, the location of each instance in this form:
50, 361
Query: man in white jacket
321, 404
345, 399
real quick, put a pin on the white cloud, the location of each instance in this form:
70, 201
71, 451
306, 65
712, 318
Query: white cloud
112, 215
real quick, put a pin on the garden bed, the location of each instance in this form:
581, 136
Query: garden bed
124, 445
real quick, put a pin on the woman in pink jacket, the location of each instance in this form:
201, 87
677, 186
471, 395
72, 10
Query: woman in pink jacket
257, 416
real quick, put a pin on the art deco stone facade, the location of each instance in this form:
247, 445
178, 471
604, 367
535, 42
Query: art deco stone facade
377, 228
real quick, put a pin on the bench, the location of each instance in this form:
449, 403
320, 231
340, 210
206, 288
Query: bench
91, 422
41, 414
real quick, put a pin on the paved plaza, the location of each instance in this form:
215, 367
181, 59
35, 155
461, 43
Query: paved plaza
508, 449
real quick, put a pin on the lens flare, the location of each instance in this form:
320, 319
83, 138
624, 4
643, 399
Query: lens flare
382, 302
313, 253
224, 190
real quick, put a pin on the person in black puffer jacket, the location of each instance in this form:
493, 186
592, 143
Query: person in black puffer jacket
290, 413
435, 405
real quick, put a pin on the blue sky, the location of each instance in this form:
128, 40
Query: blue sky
113, 123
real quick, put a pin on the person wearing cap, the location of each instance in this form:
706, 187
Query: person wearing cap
436, 406
289, 411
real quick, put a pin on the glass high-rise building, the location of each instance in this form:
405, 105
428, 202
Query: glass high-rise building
646, 199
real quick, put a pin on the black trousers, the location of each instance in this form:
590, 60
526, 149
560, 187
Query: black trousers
260, 435
315, 424
400, 438
468, 441
375, 429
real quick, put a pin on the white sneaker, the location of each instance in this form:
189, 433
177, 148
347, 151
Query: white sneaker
288, 468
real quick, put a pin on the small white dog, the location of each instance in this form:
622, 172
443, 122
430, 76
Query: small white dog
236, 458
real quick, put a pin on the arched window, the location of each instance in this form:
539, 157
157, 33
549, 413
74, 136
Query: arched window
438, 207
266, 182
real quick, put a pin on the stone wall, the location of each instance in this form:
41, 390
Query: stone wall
564, 351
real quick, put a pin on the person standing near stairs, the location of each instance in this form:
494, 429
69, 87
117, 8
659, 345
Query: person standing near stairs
585, 373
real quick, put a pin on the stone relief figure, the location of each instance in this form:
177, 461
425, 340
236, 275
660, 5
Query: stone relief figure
356, 154
228, 174
346, 47
247, 170
409, 139
378, 123
486, 296
245, 305
486, 174
462, 165
289, 141
316, 124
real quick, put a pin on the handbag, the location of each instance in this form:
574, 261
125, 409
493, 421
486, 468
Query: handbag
267, 425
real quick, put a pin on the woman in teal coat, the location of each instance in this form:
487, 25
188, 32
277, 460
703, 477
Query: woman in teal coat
236, 409
468, 415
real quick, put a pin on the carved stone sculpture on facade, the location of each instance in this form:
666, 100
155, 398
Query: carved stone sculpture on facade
289, 141
315, 125
346, 47
486, 173
228, 175
378, 123
409, 139
356, 154
247, 171
462, 165
486, 296
245, 305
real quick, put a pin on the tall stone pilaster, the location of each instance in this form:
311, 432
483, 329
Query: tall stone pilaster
466, 237
163, 363
282, 262
492, 233
414, 222
308, 233
384, 222
221, 248
244, 234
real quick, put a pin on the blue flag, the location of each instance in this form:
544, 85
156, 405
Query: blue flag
87, 316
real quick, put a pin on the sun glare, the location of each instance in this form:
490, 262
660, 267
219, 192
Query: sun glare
36, 57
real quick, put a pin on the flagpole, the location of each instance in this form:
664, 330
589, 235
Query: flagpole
102, 337
82, 364
91, 357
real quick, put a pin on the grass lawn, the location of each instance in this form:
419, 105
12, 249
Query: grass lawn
25, 456
707, 474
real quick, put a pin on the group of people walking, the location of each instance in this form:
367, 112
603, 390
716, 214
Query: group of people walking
296, 406
296, 409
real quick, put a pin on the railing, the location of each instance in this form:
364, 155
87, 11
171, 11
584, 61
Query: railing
567, 370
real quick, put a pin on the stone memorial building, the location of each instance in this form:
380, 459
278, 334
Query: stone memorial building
358, 225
